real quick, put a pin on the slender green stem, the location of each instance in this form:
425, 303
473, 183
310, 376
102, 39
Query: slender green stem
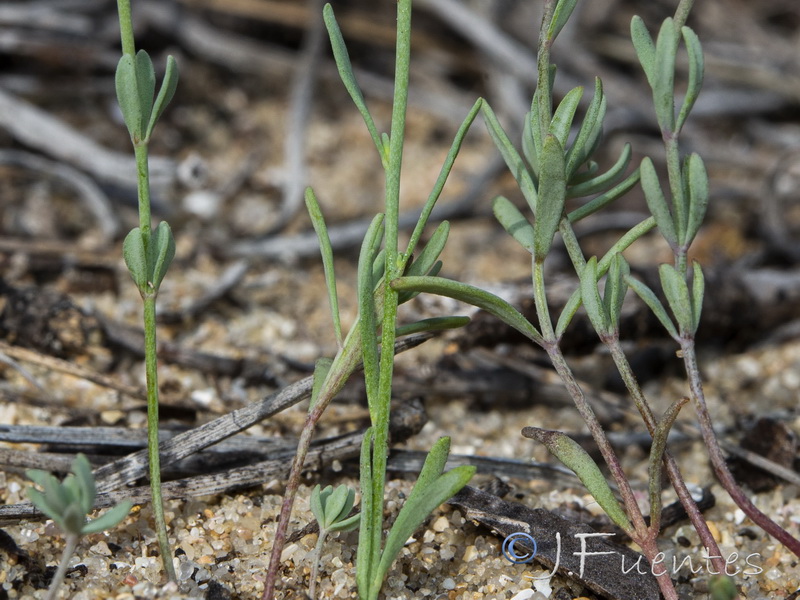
151, 373
543, 91
126, 27
380, 423
312, 586
143, 192
678, 199
682, 13
69, 549
540, 301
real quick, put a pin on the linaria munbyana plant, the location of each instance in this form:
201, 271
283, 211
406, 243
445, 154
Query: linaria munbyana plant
148, 252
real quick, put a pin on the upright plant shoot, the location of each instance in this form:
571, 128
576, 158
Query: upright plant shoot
148, 252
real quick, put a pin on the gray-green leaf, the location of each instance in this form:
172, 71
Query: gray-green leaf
108, 519
677, 292
644, 46
162, 251
575, 458
654, 304
471, 295
656, 202
135, 255
128, 96
165, 94
552, 195
514, 222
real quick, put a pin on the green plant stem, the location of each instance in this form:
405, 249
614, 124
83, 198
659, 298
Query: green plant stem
71, 540
673, 472
312, 585
678, 200
151, 374
682, 13
543, 91
126, 27
380, 420
143, 192
717, 458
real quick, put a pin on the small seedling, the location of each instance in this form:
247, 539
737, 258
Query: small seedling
331, 509
68, 503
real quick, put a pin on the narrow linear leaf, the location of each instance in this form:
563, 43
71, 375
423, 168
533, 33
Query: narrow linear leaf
379, 266
654, 304
591, 297
698, 292
530, 149
474, 296
603, 200
565, 113
514, 222
616, 288
444, 173
321, 369
697, 184
165, 94
696, 74
432, 468
664, 75
552, 195
561, 15
366, 311
416, 510
589, 134
644, 46
510, 155
568, 312
430, 253
432, 324
364, 565
321, 229
586, 173
656, 202
342, 59
656, 455
574, 457
604, 181
111, 518
677, 292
